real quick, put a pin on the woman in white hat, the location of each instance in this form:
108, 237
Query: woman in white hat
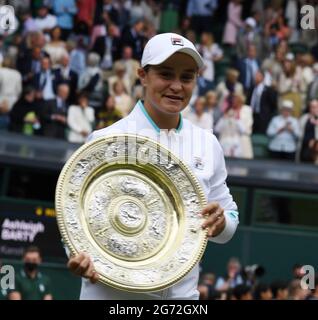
168, 73
284, 131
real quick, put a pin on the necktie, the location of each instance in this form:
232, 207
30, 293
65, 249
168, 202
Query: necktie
44, 79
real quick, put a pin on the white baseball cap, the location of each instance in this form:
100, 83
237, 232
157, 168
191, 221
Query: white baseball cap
287, 104
251, 22
162, 46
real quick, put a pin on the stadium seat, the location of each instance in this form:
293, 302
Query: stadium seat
260, 146
298, 48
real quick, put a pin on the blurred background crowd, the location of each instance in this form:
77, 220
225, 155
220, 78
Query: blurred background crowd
69, 67
246, 283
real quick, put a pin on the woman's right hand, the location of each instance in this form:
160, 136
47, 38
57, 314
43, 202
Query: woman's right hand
82, 265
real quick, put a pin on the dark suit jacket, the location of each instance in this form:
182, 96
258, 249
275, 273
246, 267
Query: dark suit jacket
136, 42
52, 128
72, 81
243, 68
268, 108
56, 80
100, 47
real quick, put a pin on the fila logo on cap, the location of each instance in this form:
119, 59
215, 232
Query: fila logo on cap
177, 42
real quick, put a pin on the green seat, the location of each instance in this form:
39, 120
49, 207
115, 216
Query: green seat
260, 146
220, 69
169, 20
298, 48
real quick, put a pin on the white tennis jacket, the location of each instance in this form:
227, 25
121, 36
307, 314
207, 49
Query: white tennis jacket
200, 150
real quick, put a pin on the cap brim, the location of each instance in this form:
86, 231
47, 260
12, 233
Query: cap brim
164, 56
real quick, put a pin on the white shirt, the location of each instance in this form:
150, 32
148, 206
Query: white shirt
10, 86
47, 91
211, 173
205, 121
284, 141
48, 22
208, 55
78, 120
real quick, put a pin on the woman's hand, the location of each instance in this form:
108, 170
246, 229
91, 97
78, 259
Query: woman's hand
82, 265
215, 221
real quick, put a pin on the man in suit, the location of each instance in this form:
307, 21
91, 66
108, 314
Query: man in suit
46, 81
248, 67
263, 104
108, 47
312, 92
68, 76
133, 37
53, 114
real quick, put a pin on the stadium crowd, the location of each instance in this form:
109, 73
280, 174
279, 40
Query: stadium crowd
246, 283
69, 67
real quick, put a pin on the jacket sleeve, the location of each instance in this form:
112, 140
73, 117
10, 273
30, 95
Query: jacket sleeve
219, 192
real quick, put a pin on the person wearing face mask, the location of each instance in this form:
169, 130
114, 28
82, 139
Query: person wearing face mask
30, 283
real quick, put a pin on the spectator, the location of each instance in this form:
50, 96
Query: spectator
312, 92
263, 103
30, 283
248, 67
280, 290
133, 37
46, 81
108, 47
32, 66
80, 119
263, 291
120, 75
109, 114
247, 36
201, 13
291, 84
130, 64
53, 114
296, 292
206, 287
309, 133
86, 11
24, 116
64, 11
68, 76
212, 107
232, 278
27, 59
91, 81
298, 271
211, 52
283, 130
235, 128
78, 57
45, 21
233, 23
242, 292
56, 48
199, 116
10, 90
122, 100
28, 22
226, 89
274, 65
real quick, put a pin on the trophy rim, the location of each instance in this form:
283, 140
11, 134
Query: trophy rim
62, 223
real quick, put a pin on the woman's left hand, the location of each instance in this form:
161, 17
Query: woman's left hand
215, 221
